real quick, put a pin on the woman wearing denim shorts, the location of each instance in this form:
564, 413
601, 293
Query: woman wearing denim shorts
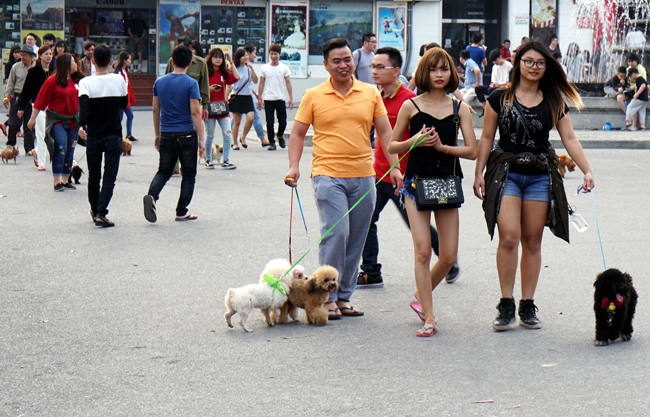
522, 190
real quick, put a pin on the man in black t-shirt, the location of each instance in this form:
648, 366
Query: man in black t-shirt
639, 101
137, 31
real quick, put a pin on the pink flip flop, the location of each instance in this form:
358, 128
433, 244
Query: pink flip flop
415, 305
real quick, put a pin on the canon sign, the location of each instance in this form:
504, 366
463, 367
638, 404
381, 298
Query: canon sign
111, 2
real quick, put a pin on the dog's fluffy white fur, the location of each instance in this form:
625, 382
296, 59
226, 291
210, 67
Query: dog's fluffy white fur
244, 299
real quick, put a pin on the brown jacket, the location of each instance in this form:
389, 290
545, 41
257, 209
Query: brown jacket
496, 174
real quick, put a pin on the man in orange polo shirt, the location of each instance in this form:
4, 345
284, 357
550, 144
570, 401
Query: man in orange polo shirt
386, 67
342, 111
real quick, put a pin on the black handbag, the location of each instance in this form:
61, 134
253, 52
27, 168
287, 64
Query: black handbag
218, 109
437, 193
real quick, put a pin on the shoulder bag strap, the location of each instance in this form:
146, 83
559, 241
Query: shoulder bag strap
356, 55
242, 87
456, 105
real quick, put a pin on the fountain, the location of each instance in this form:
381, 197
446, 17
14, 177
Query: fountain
618, 27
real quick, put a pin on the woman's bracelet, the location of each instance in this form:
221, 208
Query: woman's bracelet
447, 152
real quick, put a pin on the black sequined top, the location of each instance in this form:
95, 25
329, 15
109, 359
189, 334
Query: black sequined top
426, 162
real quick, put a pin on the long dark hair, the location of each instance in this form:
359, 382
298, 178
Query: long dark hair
198, 48
239, 54
553, 84
11, 55
63, 69
60, 43
222, 68
121, 59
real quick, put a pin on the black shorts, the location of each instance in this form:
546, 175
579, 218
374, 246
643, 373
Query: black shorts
242, 104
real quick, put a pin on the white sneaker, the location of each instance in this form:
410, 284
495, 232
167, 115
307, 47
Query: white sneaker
227, 165
209, 165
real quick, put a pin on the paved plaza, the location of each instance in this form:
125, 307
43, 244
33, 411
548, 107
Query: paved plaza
128, 321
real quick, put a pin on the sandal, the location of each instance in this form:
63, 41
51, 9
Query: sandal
350, 312
234, 148
334, 316
426, 329
187, 217
415, 305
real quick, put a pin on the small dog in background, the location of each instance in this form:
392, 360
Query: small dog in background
614, 305
126, 147
565, 162
201, 156
10, 154
75, 173
311, 295
268, 295
216, 149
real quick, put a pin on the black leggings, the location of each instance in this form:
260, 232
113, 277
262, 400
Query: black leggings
482, 91
281, 108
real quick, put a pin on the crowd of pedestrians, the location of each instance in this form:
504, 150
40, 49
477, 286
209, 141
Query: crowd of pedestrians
516, 177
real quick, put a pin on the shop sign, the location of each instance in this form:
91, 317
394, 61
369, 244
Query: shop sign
391, 25
110, 2
236, 3
289, 22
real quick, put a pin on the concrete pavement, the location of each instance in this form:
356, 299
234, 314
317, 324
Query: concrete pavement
129, 320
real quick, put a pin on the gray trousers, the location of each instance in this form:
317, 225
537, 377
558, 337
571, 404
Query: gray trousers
343, 246
635, 106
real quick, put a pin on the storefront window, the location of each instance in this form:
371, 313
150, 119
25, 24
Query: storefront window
327, 20
10, 21
233, 27
109, 25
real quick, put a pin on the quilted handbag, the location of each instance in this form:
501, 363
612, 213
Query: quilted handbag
437, 193
218, 109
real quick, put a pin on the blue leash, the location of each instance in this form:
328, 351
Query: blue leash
304, 222
593, 202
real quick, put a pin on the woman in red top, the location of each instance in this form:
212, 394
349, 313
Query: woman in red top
220, 77
122, 68
60, 96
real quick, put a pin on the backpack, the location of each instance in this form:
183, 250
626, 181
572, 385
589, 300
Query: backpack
356, 58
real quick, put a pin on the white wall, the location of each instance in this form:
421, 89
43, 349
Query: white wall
568, 31
517, 10
427, 27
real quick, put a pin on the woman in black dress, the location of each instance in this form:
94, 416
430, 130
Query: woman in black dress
432, 125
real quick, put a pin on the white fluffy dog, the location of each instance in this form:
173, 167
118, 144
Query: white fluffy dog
263, 295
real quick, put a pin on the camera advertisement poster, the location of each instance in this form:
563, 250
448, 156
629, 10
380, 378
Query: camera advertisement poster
177, 18
289, 30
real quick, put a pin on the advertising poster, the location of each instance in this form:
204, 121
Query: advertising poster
337, 20
5, 59
289, 30
40, 17
177, 18
391, 25
543, 19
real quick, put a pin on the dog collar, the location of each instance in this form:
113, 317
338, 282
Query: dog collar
612, 304
275, 283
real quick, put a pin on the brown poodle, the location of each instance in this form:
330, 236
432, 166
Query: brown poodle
311, 295
126, 147
565, 162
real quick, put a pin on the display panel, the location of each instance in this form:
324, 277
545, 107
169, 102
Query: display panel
234, 26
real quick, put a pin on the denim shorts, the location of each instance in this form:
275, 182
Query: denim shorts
527, 187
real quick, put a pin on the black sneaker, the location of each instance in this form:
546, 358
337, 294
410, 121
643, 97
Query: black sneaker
209, 165
227, 165
69, 186
366, 280
102, 221
132, 139
149, 209
527, 316
453, 274
506, 318
281, 142
59, 187
272, 147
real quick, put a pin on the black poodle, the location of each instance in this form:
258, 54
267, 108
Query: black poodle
75, 173
614, 305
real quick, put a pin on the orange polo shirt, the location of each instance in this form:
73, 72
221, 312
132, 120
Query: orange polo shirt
341, 128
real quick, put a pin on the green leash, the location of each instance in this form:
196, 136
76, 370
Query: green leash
414, 145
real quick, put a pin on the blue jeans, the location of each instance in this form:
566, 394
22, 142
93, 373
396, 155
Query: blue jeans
174, 146
385, 193
129, 120
110, 147
342, 247
528, 187
225, 125
65, 140
257, 124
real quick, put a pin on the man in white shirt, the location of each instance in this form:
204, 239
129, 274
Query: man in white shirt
30, 40
273, 79
500, 76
